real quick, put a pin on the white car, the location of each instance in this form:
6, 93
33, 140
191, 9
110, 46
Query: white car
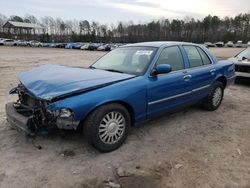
35, 43
239, 44
219, 44
209, 44
21, 43
8, 42
230, 44
242, 63
248, 44
85, 47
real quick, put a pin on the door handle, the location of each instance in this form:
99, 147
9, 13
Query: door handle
212, 71
187, 77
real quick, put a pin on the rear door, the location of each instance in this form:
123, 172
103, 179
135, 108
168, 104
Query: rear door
200, 69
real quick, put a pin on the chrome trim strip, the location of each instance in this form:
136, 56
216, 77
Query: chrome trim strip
179, 95
200, 88
168, 98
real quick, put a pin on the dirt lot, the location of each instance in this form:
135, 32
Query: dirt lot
191, 148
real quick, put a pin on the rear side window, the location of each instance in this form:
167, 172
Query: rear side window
193, 56
173, 57
205, 59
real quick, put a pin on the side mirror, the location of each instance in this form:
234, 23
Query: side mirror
161, 69
244, 58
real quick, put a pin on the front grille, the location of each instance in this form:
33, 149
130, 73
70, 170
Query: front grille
27, 99
242, 68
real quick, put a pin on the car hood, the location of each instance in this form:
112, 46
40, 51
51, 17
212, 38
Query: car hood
55, 81
239, 61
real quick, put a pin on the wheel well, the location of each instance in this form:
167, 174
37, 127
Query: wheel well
223, 80
126, 105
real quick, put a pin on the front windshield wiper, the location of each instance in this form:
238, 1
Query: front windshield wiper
113, 70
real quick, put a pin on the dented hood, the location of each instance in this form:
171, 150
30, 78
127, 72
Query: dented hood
55, 81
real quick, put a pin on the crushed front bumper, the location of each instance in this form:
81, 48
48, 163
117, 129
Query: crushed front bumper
17, 120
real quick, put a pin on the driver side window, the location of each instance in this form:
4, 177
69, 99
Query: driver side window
173, 57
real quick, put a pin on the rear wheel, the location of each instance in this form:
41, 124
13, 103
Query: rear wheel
214, 99
107, 127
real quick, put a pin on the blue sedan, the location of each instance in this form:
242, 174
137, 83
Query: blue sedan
127, 86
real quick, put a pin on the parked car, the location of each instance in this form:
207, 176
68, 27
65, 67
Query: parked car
242, 63
239, 44
248, 44
90, 46
85, 46
1, 41
219, 44
77, 45
60, 45
21, 43
209, 44
105, 47
46, 45
102, 47
230, 44
52, 45
69, 45
8, 42
35, 43
127, 86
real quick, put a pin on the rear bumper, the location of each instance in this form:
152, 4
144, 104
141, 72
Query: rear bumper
17, 120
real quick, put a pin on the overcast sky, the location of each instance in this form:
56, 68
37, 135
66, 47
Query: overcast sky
107, 11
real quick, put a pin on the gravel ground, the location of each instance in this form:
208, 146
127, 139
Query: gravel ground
191, 148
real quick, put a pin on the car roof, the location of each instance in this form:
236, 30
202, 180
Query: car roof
158, 44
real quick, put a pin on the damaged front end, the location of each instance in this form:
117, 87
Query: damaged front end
30, 114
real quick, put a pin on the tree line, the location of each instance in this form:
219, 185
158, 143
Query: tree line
211, 28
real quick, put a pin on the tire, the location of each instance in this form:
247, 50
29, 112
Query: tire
214, 99
100, 128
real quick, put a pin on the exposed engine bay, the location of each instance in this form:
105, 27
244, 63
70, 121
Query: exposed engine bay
35, 114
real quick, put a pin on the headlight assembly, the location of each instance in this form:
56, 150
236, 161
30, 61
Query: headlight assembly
65, 113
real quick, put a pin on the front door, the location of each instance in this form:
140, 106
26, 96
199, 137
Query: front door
168, 91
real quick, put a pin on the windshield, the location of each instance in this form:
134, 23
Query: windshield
245, 53
130, 60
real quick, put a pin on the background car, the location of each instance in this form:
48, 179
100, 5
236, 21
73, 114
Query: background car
1, 41
242, 63
9, 42
60, 45
219, 44
239, 44
209, 44
77, 45
69, 45
105, 47
35, 43
230, 44
21, 43
85, 46
91, 46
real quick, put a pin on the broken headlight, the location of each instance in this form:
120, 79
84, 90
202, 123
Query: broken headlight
65, 113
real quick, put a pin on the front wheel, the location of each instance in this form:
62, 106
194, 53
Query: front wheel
107, 127
214, 99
